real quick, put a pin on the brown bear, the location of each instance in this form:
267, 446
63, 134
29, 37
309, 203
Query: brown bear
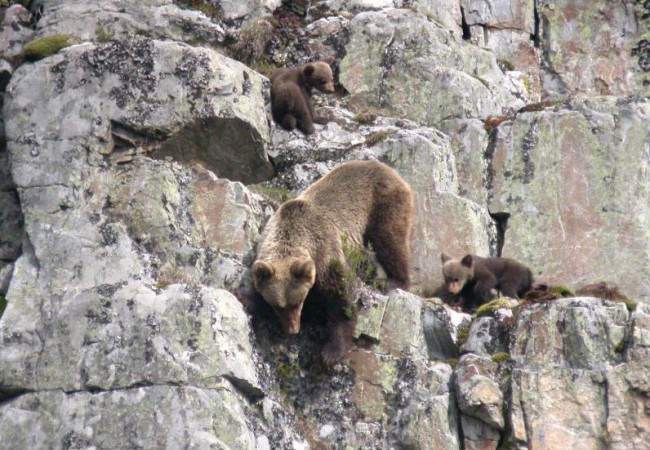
291, 94
478, 280
301, 247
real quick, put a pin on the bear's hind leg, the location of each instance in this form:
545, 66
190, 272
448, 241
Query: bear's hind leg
389, 234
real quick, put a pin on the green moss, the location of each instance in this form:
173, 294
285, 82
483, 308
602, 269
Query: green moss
500, 357
562, 291
620, 346
274, 194
365, 117
453, 362
252, 43
378, 136
103, 34
288, 372
463, 334
505, 64
46, 46
490, 308
484, 81
210, 10
630, 304
3, 304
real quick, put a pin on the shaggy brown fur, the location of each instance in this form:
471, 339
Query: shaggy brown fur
478, 280
601, 290
291, 94
300, 252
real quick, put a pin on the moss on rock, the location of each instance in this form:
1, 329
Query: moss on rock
46, 46
490, 308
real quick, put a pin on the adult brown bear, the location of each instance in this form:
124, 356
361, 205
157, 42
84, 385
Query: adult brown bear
301, 248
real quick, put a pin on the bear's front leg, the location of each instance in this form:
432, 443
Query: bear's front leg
341, 315
339, 337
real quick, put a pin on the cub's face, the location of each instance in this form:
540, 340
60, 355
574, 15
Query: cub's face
319, 75
457, 273
284, 284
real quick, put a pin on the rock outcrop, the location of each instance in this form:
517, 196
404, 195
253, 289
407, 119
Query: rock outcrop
139, 164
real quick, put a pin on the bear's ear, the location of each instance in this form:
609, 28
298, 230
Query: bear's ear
329, 60
309, 70
303, 269
467, 261
444, 257
262, 271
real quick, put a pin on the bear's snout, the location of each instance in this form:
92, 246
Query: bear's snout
290, 319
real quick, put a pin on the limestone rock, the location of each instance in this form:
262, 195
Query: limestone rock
571, 176
479, 395
406, 66
582, 61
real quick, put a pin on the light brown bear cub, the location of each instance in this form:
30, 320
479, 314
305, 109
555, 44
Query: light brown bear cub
477, 280
300, 252
291, 94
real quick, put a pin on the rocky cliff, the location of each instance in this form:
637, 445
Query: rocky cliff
138, 165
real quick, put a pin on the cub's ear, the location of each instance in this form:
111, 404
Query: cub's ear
303, 269
262, 271
329, 60
467, 261
309, 70
444, 257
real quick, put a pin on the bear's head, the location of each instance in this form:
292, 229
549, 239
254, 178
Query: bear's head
319, 75
456, 272
284, 284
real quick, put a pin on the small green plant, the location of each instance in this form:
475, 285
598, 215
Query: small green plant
378, 136
103, 34
506, 65
463, 334
562, 291
629, 304
46, 46
453, 362
276, 195
365, 117
253, 42
206, 7
490, 308
500, 357
288, 372
620, 346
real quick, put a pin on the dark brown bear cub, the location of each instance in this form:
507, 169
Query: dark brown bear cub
291, 94
301, 248
478, 280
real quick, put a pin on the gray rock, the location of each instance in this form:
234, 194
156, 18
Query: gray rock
478, 393
403, 65
170, 416
568, 191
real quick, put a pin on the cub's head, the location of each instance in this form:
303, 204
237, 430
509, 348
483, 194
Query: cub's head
319, 75
284, 284
456, 272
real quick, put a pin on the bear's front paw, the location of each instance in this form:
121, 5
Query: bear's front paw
333, 353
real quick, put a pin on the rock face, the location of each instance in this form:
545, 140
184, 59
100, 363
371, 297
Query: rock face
139, 166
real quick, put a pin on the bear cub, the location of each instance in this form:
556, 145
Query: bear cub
301, 248
478, 280
291, 94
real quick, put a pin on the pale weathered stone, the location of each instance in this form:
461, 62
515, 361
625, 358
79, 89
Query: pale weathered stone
479, 395
586, 53
406, 66
574, 180
220, 105
121, 20
169, 416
